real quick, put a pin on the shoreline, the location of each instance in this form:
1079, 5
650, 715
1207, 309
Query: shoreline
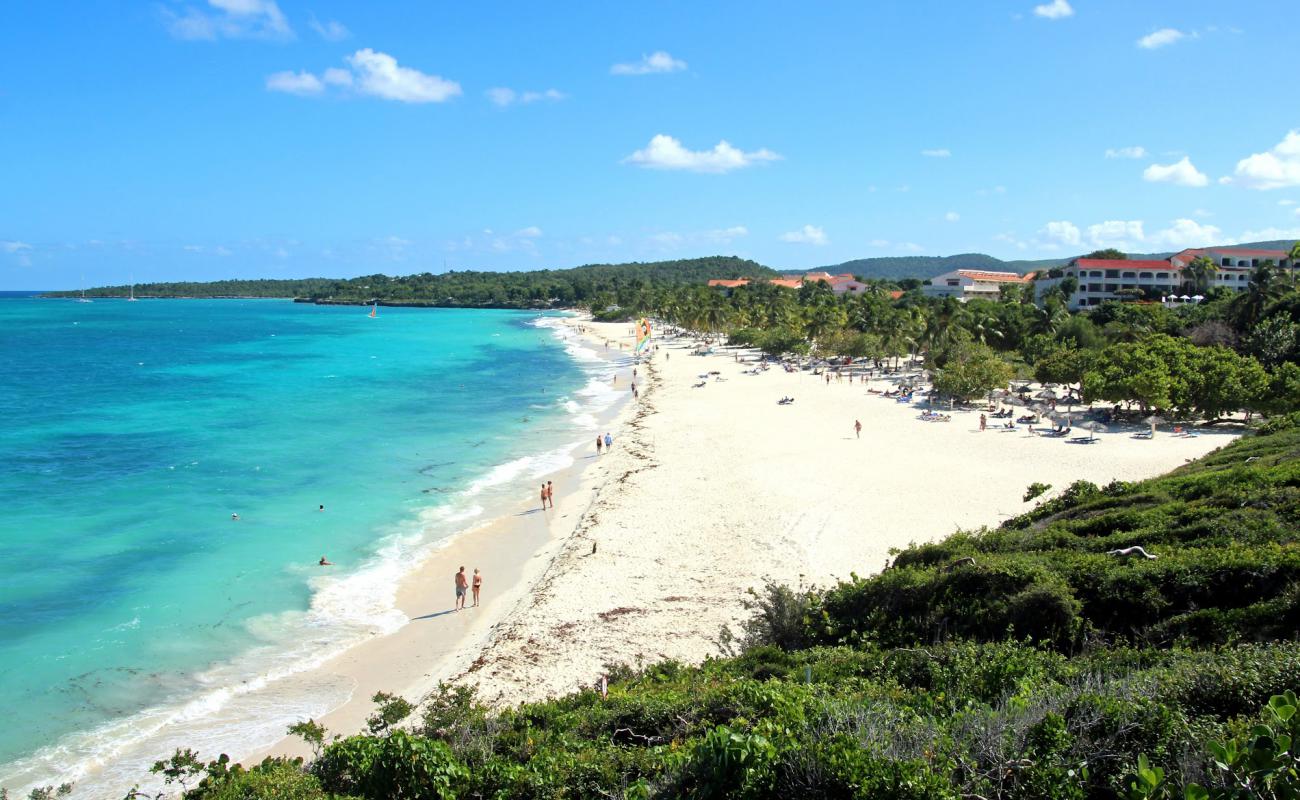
514, 547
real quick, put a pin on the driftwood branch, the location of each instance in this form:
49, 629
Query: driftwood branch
1135, 551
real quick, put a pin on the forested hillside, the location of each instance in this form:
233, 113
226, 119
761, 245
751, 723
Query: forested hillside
534, 289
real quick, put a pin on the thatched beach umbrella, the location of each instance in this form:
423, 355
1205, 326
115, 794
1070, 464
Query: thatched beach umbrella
1093, 427
1153, 421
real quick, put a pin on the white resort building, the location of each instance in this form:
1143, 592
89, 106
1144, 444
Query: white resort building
1100, 280
964, 284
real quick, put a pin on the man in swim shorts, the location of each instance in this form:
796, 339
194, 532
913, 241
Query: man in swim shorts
461, 585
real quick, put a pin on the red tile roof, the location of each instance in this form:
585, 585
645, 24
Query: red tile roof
789, 283
728, 284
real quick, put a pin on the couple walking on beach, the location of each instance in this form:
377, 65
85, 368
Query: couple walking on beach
462, 583
548, 495
607, 441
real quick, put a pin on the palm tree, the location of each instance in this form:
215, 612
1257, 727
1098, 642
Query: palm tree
1199, 273
1267, 284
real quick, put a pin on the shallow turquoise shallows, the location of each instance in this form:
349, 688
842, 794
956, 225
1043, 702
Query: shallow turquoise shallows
133, 431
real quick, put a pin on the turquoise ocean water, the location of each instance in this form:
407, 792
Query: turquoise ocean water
132, 606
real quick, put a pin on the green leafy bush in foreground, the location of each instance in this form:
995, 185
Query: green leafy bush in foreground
1020, 662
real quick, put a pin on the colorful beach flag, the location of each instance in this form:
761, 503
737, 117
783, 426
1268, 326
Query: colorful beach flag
642, 334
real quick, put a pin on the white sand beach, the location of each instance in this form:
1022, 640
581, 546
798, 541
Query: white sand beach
708, 491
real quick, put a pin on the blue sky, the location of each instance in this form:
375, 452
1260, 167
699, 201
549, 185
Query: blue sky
201, 139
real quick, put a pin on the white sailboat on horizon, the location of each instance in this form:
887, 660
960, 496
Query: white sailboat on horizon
132, 298
83, 298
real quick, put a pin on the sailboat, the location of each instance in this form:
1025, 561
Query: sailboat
83, 298
374, 310
132, 298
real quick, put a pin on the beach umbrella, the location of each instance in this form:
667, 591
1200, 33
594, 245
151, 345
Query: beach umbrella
1153, 420
1198, 297
1093, 427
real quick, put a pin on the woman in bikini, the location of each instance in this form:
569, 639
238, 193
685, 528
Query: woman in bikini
478, 581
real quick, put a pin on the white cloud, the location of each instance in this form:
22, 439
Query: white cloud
725, 235
941, 152
1011, 240
221, 250
1121, 234
531, 232
230, 19
1057, 9
1062, 231
294, 83
911, 247
672, 239
337, 77
503, 96
665, 152
1278, 168
1182, 173
952, 216
808, 234
879, 243
1126, 152
1286, 202
372, 73
656, 62
380, 75
1187, 233
330, 30
1160, 38
1202, 213
549, 94
21, 252
667, 239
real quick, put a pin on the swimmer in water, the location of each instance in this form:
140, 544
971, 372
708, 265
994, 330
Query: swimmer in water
235, 517
325, 562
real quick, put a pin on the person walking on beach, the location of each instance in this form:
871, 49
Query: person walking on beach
599, 443
984, 422
543, 497
476, 585
461, 586
857, 428
634, 394
550, 494
609, 441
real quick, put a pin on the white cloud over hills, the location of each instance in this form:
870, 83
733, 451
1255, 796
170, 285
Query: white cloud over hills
1278, 168
657, 62
808, 234
369, 73
1181, 173
1161, 38
1057, 9
666, 153
228, 19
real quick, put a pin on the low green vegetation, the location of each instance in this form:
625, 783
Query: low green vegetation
1039, 659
